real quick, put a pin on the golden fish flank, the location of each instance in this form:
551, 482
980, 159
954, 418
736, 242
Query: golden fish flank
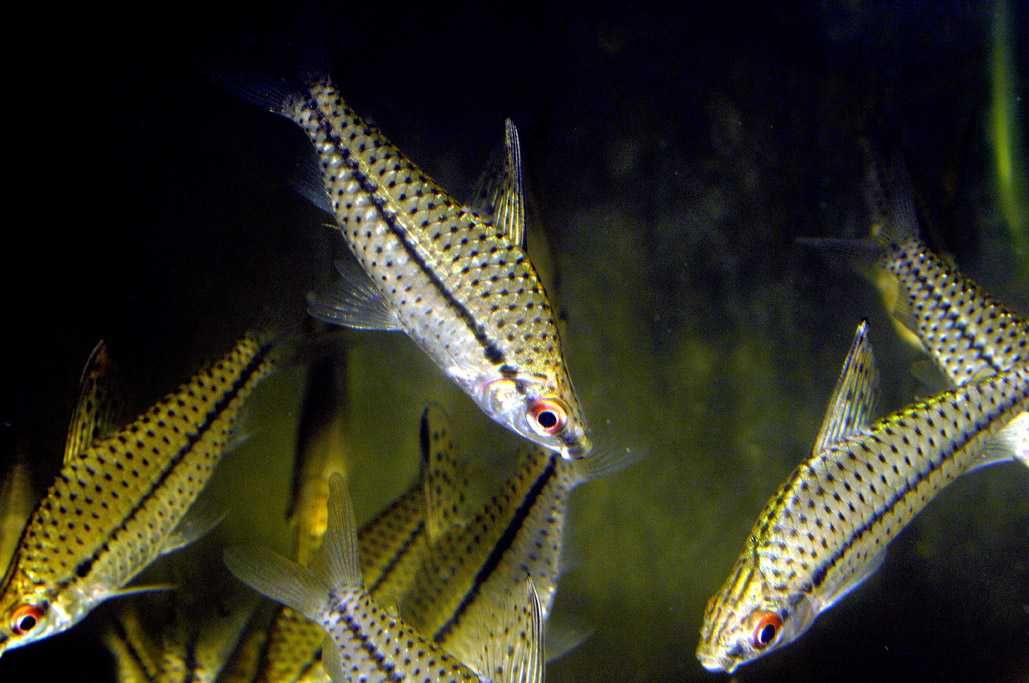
827, 527
115, 507
965, 331
517, 532
392, 548
454, 279
364, 641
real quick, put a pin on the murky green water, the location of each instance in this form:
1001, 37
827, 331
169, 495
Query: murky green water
672, 162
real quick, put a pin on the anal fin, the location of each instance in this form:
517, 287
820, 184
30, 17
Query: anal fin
354, 302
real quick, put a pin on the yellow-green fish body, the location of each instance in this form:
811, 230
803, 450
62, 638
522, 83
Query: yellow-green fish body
517, 533
966, 332
827, 527
114, 508
392, 547
366, 642
458, 282
16, 501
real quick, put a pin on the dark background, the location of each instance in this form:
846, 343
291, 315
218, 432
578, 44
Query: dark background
149, 206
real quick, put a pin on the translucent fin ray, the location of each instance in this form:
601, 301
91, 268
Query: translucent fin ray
854, 398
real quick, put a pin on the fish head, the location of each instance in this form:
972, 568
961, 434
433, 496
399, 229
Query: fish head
748, 618
538, 409
28, 615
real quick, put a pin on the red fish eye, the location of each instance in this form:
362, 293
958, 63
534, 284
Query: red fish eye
547, 417
767, 629
25, 618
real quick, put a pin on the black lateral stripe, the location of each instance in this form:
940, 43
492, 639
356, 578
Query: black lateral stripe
823, 570
960, 326
395, 559
220, 406
490, 348
501, 547
192, 665
367, 645
132, 650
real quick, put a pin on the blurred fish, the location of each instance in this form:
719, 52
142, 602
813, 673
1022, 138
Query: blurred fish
136, 655
16, 501
366, 642
392, 548
123, 501
193, 644
517, 532
321, 452
455, 278
827, 527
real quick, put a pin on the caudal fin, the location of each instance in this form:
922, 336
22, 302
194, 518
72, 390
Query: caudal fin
335, 567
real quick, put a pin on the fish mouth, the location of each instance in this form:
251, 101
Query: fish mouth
717, 664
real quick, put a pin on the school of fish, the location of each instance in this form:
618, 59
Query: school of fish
439, 586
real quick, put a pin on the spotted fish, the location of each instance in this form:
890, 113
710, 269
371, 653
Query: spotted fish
392, 547
827, 527
365, 642
518, 531
457, 279
966, 332
117, 505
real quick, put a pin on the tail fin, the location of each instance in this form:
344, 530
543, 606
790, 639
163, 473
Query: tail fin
889, 197
335, 567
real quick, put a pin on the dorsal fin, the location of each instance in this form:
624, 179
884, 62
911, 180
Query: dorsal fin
857, 391
99, 406
499, 192
444, 477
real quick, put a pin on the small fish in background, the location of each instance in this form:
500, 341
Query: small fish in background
366, 642
196, 635
124, 500
320, 452
16, 502
827, 527
137, 658
392, 547
456, 279
517, 532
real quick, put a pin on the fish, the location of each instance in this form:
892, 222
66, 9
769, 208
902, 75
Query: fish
517, 532
96, 412
966, 332
455, 278
123, 501
193, 642
826, 529
392, 547
16, 502
321, 451
365, 641
136, 655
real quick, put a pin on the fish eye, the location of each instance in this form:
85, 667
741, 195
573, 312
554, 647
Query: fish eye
25, 618
767, 629
547, 417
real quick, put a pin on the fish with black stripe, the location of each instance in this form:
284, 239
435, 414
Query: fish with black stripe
122, 501
392, 548
457, 279
827, 527
517, 532
366, 642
